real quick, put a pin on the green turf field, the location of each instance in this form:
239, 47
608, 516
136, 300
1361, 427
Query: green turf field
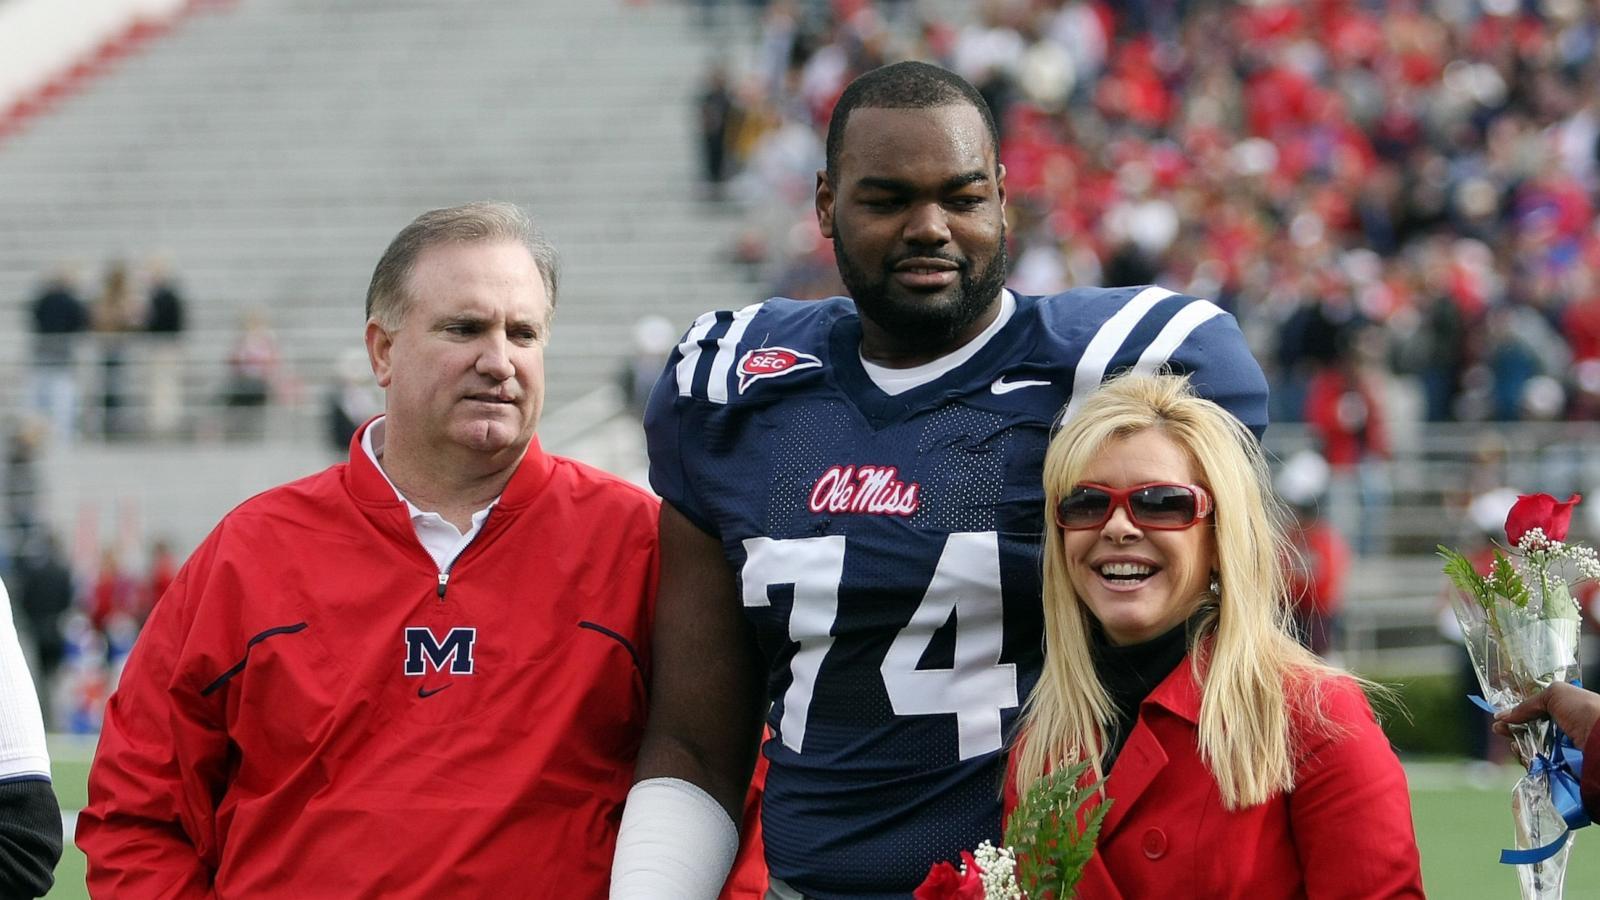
1462, 822
69, 762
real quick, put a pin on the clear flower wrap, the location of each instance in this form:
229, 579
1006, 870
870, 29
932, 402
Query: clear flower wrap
1521, 628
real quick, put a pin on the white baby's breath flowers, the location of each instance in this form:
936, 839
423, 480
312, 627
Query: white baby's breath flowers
1544, 562
998, 872
1541, 553
1533, 541
1586, 561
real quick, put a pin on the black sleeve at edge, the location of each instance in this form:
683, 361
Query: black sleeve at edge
30, 838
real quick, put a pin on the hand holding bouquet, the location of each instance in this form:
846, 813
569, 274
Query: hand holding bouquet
1521, 627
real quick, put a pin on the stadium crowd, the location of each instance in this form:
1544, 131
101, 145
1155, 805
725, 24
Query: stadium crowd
1385, 193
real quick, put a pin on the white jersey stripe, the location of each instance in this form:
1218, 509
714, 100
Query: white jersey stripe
690, 348
727, 349
1107, 341
1172, 336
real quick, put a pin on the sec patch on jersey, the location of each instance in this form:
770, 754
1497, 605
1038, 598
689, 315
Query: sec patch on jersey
771, 362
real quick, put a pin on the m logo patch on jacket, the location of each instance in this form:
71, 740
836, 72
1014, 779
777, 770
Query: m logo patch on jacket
455, 651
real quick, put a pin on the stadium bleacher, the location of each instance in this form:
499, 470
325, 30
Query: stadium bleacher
270, 150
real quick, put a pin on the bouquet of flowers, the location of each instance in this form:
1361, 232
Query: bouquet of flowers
1521, 629
1047, 844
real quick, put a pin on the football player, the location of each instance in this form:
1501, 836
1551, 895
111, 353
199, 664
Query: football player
853, 516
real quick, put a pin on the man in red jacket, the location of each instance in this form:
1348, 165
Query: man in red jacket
422, 673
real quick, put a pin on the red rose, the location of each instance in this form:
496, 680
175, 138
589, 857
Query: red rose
945, 883
972, 882
1540, 511
941, 884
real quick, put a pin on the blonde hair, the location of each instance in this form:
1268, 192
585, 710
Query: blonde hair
1244, 731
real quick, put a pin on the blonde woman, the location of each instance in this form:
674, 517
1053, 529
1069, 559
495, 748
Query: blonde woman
1236, 763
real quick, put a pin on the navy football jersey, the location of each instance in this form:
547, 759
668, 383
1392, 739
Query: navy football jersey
886, 550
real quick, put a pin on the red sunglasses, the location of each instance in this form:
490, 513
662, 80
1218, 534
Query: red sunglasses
1159, 505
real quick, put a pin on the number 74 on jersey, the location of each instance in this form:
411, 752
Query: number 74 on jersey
966, 583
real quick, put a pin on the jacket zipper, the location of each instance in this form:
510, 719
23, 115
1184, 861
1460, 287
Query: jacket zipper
444, 574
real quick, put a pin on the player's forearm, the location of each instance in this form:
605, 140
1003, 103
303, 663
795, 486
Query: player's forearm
722, 772
30, 838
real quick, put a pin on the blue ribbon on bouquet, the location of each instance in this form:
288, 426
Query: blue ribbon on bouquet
1563, 770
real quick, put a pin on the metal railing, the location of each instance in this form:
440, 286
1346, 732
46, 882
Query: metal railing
144, 387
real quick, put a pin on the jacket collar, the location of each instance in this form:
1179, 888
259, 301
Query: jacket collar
1144, 755
369, 485
1179, 692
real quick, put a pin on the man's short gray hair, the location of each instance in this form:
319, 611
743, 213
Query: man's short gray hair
472, 223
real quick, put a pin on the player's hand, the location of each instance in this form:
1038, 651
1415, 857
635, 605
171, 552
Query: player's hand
1574, 710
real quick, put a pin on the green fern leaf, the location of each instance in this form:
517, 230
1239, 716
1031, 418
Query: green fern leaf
1461, 573
1504, 581
1051, 850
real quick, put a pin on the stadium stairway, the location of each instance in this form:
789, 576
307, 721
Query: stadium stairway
271, 148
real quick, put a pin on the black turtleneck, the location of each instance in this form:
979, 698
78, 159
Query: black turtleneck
1129, 673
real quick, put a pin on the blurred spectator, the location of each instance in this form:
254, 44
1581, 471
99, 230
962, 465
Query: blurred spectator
1432, 335
113, 595
114, 316
84, 681
1521, 347
353, 399
716, 112
46, 591
24, 518
1345, 413
1308, 341
164, 323
59, 320
653, 337
253, 365
163, 570
1321, 566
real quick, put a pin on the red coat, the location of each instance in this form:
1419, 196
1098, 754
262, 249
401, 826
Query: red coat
282, 729
1345, 830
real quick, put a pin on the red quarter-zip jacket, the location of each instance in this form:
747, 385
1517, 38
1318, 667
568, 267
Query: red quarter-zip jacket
312, 711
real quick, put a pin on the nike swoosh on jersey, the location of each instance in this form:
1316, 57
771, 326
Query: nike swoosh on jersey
1002, 386
424, 692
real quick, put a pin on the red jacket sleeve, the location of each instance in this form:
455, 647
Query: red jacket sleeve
148, 828
1350, 809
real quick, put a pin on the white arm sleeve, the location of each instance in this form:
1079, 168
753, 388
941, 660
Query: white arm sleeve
676, 843
22, 750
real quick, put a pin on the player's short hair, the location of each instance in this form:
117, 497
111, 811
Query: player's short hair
905, 85
473, 223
